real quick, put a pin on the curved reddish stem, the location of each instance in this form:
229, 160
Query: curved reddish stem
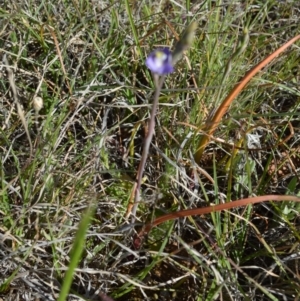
212, 124
210, 209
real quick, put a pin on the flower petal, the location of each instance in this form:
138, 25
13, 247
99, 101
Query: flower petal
160, 61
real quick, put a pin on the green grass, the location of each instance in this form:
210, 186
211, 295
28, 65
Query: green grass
85, 59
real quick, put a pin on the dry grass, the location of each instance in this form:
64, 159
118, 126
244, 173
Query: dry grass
85, 59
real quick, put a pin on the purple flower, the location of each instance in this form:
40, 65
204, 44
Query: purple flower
160, 61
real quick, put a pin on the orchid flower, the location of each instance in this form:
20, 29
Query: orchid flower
160, 61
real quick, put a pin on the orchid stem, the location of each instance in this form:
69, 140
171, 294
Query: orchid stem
158, 85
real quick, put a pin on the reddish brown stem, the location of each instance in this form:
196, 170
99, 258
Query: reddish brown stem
212, 124
132, 207
210, 209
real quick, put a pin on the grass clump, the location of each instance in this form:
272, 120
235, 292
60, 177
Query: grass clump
85, 60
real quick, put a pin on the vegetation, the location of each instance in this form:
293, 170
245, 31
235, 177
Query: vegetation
76, 97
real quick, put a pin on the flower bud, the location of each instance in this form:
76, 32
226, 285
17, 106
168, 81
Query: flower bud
37, 103
184, 42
